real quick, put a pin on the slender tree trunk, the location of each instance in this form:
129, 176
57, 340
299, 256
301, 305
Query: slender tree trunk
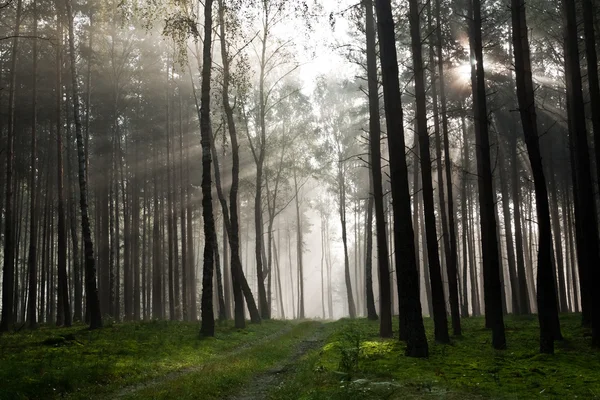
8, 277
546, 284
453, 254
510, 250
560, 267
586, 217
208, 319
93, 302
437, 287
491, 263
376, 180
589, 7
32, 256
64, 306
404, 240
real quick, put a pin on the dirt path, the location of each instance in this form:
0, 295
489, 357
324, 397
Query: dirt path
133, 389
262, 384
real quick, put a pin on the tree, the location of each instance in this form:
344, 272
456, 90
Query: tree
437, 287
208, 319
8, 277
546, 285
406, 268
585, 207
489, 240
93, 303
385, 300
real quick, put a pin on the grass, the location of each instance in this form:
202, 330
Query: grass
220, 378
356, 364
78, 363
353, 363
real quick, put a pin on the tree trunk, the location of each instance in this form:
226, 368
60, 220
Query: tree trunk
560, 267
8, 277
404, 240
93, 303
64, 306
546, 284
489, 240
33, 221
437, 287
510, 250
585, 207
208, 319
376, 180
452, 256
300, 251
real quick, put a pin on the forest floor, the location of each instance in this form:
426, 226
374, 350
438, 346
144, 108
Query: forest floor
355, 363
292, 360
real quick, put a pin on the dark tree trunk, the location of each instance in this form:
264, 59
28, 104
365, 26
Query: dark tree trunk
33, 221
300, 251
585, 207
385, 295
524, 307
465, 220
404, 240
437, 286
489, 240
452, 255
64, 317
546, 284
8, 277
241, 289
557, 234
510, 249
208, 318
93, 303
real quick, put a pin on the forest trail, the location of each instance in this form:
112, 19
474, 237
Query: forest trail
262, 384
133, 391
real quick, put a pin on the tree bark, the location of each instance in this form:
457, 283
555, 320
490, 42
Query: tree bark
437, 286
33, 220
585, 207
404, 240
208, 319
8, 277
489, 240
385, 295
93, 302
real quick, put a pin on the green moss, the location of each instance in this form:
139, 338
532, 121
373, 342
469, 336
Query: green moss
222, 377
467, 368
78, 363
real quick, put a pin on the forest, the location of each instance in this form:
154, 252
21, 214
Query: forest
311, 199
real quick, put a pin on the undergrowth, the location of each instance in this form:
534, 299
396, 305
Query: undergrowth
356, 364
75, 362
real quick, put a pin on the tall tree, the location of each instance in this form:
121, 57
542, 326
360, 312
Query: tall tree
585, 207
406, 268
8, 277
489, 239
208, 318
546, 285
32, 259
437, 287
93, 303
64, 306
385, 295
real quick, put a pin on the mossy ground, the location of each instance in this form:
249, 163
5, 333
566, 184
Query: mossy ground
78, 363
356, 364
352, 363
